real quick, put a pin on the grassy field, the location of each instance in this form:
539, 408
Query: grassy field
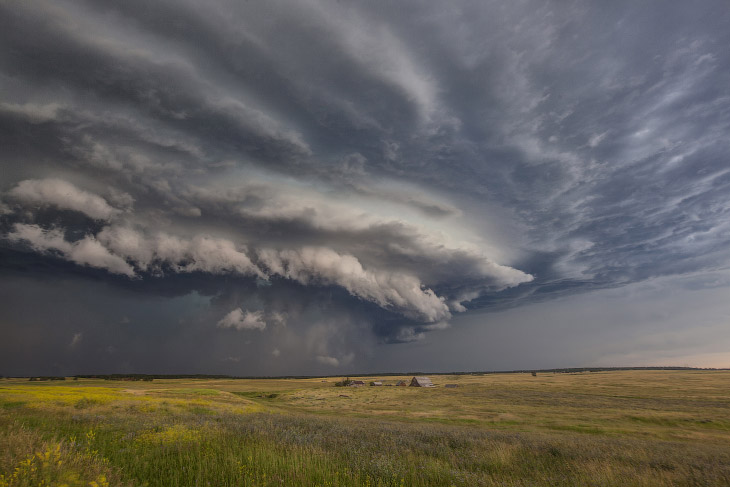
622, 428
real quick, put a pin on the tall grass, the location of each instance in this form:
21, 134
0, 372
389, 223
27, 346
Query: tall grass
273, 449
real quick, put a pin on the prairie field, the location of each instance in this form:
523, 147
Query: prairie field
613, 428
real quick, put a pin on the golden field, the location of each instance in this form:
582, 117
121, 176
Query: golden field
600, 428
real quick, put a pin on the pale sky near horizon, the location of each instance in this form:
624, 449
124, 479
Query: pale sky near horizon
325, 187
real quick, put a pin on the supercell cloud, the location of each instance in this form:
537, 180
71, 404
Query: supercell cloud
289, 187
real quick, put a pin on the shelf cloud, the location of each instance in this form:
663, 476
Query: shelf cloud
342, 176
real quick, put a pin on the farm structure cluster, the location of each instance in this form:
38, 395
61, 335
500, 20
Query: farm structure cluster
416, 381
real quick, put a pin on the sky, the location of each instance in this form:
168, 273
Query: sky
330, 187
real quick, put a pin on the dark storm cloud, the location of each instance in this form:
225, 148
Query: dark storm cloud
408, 160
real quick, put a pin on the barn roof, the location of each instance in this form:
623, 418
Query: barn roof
421, 382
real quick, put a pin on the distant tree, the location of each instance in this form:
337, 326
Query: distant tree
343, 383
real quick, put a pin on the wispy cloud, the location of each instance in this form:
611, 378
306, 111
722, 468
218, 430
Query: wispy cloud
62, 195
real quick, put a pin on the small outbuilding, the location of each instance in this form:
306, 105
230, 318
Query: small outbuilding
402, 383
356, 383
451, 386
376, 383
421, 382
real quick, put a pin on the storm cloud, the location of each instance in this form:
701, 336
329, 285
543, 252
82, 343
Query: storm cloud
317, 180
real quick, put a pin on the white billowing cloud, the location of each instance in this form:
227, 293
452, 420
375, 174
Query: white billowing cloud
121, 249
243, 320
413, 250
206, 254
115, 246
388, 289
456, 303
201, 253
327, 360
130, 243
40, 239
433, 252
63, 195
87, 251
90, 252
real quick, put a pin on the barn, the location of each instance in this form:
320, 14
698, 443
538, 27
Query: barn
421, 382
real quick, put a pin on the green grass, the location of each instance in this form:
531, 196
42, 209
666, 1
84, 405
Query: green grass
638, 428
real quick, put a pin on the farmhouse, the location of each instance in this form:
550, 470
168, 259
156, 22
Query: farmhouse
356, 383
421, 382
